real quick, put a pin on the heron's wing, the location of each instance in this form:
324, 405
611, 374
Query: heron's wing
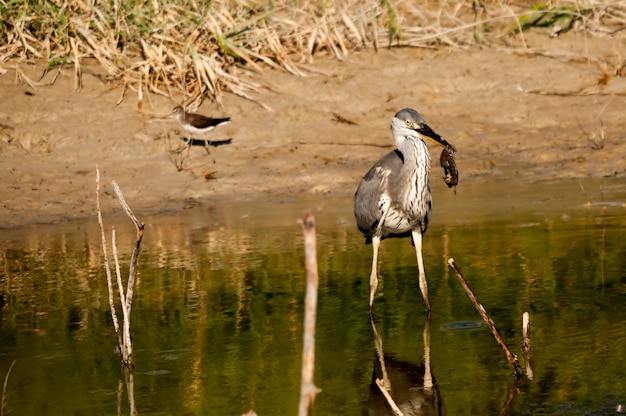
371, 201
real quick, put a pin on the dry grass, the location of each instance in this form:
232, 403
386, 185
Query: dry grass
204, 49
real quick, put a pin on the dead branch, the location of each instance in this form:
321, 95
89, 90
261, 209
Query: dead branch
139, 226
124, 339
308, 390
126, 347
511, 394
107, 268
130, 389
512, 358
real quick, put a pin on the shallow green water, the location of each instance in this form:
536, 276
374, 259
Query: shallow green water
218, 310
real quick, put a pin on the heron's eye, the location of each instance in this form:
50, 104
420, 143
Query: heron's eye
408, 122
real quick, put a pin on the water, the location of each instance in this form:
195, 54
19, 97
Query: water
218, 310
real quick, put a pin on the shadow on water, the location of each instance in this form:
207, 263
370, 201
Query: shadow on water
218, 310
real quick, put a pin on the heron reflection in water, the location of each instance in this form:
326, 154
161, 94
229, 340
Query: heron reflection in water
409, 387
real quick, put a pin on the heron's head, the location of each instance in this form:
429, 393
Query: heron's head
409, 123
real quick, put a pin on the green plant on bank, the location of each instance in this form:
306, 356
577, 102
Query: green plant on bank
193, 47
561, 18
393, 28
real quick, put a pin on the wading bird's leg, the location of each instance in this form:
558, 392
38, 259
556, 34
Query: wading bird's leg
207, 144
417, 240
373, 275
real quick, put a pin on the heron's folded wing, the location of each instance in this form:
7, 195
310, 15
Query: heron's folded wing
371, 200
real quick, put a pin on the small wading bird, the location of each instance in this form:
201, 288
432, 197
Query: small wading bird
394, 198
196, 123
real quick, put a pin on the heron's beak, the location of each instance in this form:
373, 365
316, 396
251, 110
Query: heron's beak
426, 132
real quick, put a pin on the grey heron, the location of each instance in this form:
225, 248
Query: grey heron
394, 199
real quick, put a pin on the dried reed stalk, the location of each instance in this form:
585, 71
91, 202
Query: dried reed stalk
308, 390
153, 43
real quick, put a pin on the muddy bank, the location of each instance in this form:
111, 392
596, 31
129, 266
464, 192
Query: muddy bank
529, 115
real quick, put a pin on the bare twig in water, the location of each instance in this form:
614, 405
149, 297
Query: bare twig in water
4, 388
130, 390
512, 393
125, 294
107, 267
135, 257
481, 310
125, 347
308, 390
526, 345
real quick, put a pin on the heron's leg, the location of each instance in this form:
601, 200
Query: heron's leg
373, 275
417, 240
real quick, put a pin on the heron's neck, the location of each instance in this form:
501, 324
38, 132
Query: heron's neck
416, 156
413, 179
